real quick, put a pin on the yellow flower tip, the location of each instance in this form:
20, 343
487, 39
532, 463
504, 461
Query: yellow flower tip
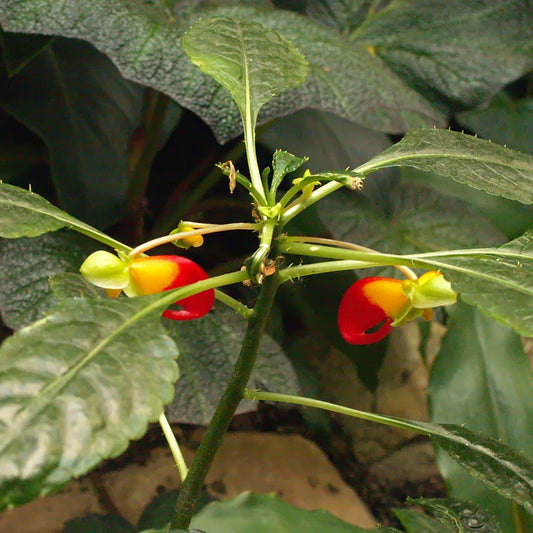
150, 275
428, 276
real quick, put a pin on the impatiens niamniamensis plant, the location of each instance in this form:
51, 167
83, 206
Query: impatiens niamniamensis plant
83, 334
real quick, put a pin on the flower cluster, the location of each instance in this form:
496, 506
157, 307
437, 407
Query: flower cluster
150, 275
372, 306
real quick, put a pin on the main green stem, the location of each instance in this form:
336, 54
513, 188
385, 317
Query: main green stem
226, 408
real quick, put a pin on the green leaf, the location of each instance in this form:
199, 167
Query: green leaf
459, 516
284, 163
252, 63
208, 350
98, 524
498, 466
499, 281
266, 514
26, 214
451, 48
478, 163
25, 268
76, 387
481, 375
91, 114
505, 121
417, 522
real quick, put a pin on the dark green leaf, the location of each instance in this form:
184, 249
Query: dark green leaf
419, 220
497, 465
208, 350
460, 516
480, 376
345, 78
510, 217
466, 159
76, 387
417, 522
25, 268
505, 121
265, 514
282, 164
26, 214
73, 285
18, 49
91, 113
452, 48
98, 524
252, 63
343, 15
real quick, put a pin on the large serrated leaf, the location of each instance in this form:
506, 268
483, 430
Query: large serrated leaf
208, 351
475, 162
26, 214
25, 267
140, 38
481, 374
452, 48
266, 514
85, 112
75, 388
253, 64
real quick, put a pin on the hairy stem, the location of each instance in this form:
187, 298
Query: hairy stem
226, 408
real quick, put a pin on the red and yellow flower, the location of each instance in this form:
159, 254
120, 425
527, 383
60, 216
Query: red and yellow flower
150, 275
372, 306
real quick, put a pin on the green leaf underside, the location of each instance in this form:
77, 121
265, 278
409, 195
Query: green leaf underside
417, 522
208, 351
480, 375
266, 514
25, 268
459, 516
253, 64
475, 162
76, 387
345, 78
26, 214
